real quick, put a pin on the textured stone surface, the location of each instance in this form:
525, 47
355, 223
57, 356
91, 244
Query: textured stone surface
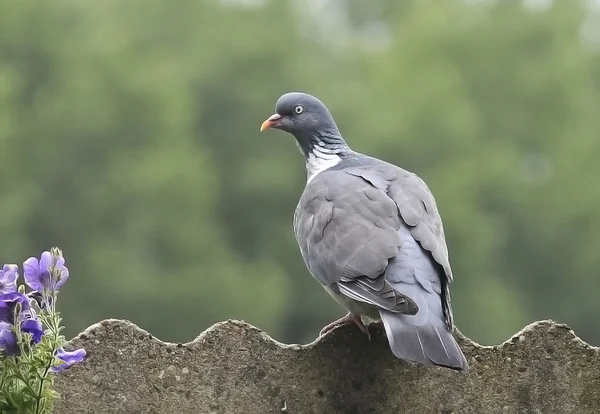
236, 368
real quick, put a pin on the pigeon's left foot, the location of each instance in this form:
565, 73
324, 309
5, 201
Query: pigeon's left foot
375, 325
348, 318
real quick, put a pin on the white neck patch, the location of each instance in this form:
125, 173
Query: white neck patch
319, 160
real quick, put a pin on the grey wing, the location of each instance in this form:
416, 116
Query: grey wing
418, 210
348, 232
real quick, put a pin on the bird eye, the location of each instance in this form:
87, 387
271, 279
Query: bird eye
299, 109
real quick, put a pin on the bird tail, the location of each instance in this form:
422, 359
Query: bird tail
428, 344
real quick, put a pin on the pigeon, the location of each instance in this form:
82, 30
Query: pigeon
371, 234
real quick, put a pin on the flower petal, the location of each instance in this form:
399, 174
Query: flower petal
8, 278
11, 299
33, 327
8, 303
8, 340
60, 262
64, 275
5, 313
31, 274
10, 268
45, 261
68, 358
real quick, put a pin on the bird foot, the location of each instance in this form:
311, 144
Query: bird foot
348, 318
377, 326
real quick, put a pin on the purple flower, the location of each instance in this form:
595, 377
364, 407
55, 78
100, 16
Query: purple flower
33, 327
8, 278
68, 358
8, 302
47, 274
8, 340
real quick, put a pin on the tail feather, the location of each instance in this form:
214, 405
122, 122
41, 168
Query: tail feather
427, 344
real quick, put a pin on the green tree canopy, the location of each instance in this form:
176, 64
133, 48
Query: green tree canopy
129, 138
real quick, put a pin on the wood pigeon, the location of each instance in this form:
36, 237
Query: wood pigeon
371, 233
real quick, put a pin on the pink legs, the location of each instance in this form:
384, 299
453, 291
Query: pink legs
349, 318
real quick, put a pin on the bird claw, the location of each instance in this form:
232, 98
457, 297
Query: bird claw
348, 318
377, 325
331, 326
367, 332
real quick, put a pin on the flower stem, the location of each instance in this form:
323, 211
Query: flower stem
38, 405
2, 380
26, 382
53, 325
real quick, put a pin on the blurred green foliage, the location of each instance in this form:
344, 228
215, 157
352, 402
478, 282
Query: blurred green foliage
129, 138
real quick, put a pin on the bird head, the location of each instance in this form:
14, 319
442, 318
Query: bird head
301, 115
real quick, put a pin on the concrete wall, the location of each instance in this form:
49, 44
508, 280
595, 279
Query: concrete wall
236, 368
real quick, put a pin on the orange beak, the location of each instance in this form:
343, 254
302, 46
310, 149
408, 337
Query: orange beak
270, 122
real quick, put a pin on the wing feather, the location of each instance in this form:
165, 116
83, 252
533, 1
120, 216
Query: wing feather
347, 232
418, 210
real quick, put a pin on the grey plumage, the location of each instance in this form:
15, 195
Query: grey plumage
371, 234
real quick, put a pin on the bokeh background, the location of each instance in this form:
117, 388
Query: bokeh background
129, 138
